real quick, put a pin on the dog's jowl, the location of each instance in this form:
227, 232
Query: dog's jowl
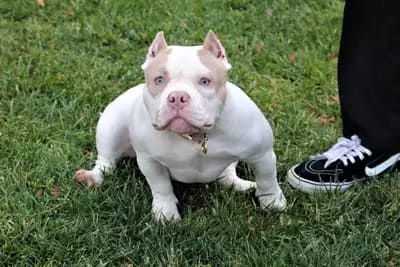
187, 123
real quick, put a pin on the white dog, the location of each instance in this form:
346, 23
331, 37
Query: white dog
187, 123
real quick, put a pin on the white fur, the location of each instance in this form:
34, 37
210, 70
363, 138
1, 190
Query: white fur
240, 132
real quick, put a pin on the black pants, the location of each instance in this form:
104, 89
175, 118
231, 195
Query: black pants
369, 73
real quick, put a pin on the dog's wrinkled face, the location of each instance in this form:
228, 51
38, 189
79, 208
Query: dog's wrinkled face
185, 85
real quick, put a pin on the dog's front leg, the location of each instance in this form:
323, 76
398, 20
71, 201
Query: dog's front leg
268, 191
164, 200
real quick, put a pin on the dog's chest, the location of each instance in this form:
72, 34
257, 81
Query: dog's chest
187, 161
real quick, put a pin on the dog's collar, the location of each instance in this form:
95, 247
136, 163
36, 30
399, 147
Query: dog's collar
202, 141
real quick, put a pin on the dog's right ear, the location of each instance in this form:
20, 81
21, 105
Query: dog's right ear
156, 46
214, 45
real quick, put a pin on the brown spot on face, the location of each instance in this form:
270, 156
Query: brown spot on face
218, 70
157, 67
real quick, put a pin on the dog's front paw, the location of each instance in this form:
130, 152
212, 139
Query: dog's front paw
275, 201
88, 178
165, 210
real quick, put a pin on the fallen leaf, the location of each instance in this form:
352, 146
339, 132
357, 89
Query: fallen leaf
41, 2
335, 99
274, 105
324, 119
31, 69
55, 191
268, 12
39, 194
292, 58
331, 57
69, 13
87, 153
260, 47
240, 46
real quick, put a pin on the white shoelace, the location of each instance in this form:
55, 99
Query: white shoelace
345, 150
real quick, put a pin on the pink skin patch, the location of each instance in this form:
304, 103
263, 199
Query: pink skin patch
179, 121
177, 116
180, 126
85, 177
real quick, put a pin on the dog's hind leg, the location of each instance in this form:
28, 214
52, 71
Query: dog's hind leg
229, 178
112, 142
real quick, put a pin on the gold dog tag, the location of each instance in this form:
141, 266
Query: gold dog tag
203, 143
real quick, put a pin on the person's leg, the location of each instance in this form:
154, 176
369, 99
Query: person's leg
369, 89
369, 73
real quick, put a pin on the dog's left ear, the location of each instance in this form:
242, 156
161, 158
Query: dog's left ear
156, 46
213, 44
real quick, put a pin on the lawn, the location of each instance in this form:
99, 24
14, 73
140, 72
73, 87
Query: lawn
62, 63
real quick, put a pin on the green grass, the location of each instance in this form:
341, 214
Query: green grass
59, 67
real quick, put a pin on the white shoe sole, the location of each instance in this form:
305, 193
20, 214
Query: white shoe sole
388, 164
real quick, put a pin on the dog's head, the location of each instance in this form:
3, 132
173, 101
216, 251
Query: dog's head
185, 85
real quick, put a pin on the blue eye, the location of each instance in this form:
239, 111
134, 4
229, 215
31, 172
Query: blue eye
159, 80
204, 82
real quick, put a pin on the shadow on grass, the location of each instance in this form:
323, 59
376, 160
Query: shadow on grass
194, 196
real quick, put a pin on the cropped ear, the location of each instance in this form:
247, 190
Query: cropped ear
156, 46
213, 44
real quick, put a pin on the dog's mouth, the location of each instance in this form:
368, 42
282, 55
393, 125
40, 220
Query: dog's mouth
181, 125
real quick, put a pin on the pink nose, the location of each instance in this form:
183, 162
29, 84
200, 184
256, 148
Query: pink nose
178, 99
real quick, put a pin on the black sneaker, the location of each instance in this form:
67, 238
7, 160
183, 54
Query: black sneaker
346, 163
